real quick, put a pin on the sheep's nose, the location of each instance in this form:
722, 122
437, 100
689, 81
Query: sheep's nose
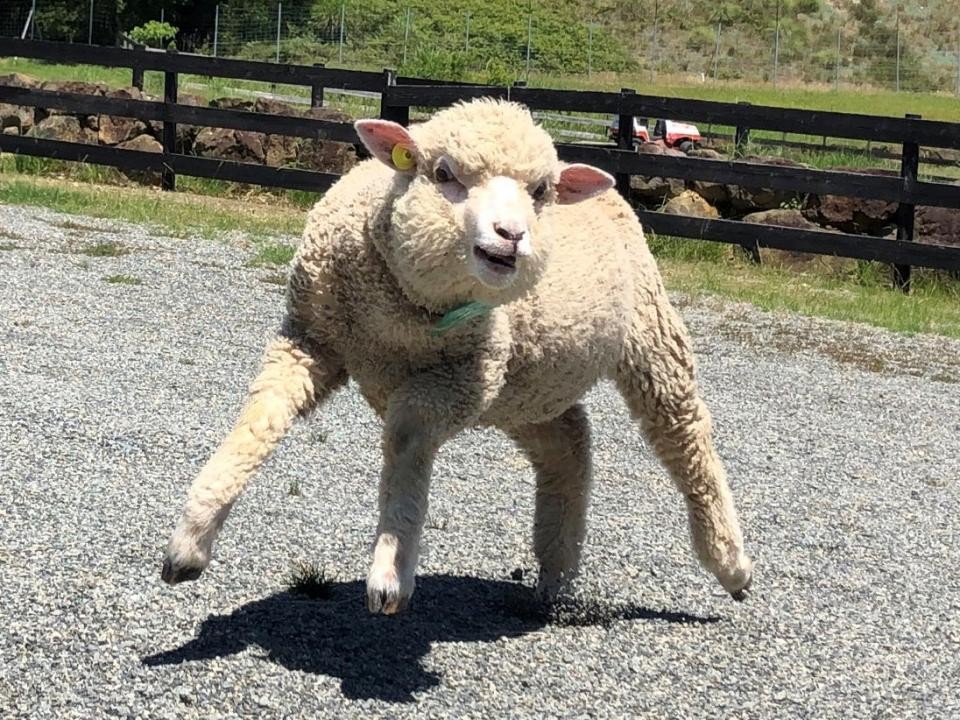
512, 233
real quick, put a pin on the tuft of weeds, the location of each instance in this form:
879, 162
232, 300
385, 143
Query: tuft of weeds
272, 254
306, 578
83, 227
294, 488
123, 280
274, 279
105, 249
8, 246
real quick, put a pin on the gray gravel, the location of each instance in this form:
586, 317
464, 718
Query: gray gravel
842, 444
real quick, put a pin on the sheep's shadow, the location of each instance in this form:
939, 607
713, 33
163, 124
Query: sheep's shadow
380, 657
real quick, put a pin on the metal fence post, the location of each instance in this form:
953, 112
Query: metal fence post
343, 17
216, 28
316, 90
909, 167
168, 177
279, 21
716, 52
776, 48
625, 141
397, 114
90, 26
526, 75
406, 37
741, 136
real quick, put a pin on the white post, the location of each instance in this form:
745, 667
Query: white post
33, 18
406, 36
90, 26
776, 48
161, 15
589, 50
836, 74
216, 28
466, 45
343, 12
279, 19
716, 53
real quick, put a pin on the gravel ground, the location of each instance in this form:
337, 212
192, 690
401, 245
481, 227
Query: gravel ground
842, 444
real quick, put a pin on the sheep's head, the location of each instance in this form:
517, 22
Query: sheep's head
472, 183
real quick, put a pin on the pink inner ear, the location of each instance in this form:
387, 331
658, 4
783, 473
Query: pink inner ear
381, 136
580, 182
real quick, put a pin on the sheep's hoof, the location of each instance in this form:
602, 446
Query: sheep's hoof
744, 592
172, 574
385, 593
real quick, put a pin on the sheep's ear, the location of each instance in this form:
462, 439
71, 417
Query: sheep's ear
389, 142
580, 182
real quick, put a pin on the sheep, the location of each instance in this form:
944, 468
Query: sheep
463, 277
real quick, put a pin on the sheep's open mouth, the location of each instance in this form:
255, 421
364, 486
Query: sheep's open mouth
497, 263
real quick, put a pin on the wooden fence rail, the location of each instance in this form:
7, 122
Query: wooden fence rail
399, 95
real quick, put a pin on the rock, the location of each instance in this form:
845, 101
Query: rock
19, 80
227, 144
937, 226
325, 113
706, 153
227, 103
127, 93
796, 260
281, 150
327, 156
274, 107
651, 148
9, 116
751, 199
717, 194
689, 203
854, 215
143, 143
92, 122
115, 130
69, 86
64, 127
11, 130
654, 190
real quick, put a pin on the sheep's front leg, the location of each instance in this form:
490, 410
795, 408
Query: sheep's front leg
656, 377
422, 414
293, 380
560, 453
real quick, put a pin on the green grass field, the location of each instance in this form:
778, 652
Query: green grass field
695, 267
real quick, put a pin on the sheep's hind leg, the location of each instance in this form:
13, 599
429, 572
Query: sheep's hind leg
656, 377
560, 453
292, 381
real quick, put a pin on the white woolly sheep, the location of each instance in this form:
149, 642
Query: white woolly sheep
465, 277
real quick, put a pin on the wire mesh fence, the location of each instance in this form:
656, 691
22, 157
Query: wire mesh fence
916, 51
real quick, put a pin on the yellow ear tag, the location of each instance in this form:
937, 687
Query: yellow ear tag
402, 158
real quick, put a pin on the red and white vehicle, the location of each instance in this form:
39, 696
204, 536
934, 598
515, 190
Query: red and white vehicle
682, 136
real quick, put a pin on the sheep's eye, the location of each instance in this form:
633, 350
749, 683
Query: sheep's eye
540, 191
442, 174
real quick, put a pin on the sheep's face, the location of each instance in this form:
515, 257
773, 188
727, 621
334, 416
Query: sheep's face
474, 182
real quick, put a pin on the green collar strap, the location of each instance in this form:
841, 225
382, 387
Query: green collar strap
460, 315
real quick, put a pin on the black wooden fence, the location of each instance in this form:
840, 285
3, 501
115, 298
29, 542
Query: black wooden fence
399, 95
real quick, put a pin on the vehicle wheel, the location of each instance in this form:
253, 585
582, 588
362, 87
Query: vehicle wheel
685, 146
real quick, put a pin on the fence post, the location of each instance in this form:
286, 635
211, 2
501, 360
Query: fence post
776, 48
168, 178
909, 166
316, 90
406, 37
90, 26
216, 28
716, 52
624, 142
836, 74
137, 80
343, 17
397, 114
279, 22
741, 136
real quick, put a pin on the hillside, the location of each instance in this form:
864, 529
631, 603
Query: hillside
820, 41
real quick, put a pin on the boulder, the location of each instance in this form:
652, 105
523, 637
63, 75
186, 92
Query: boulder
68, 86
937, 226
274, 107
796, 260
854, 215
11, 130
281, 150
652, 191
717, 194
64, 127
114, 130
226, 144
143, 143
689, 203
752, 199
706, 153
9, 116
327, 156
19, 80
228, 103
325, 113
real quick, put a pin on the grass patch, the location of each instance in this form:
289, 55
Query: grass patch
74, 225
294, 488
308, 579
8, 246
123, 280
105, 249
274, 279
273, 254
861, 295
179, 214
